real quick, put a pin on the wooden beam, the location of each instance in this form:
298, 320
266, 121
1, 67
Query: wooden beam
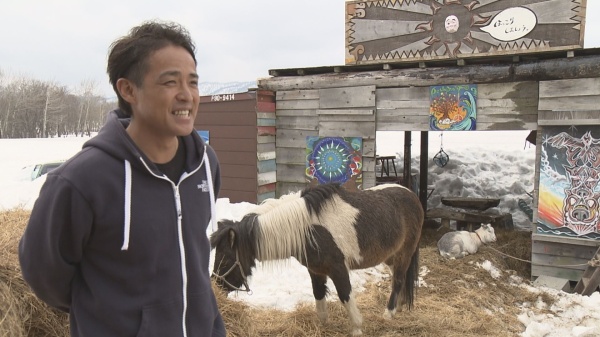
542, 70
406, 178
424, 168
460, 215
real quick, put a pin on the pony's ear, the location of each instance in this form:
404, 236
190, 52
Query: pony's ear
231, 238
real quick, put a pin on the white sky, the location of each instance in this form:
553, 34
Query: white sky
572, 316
66, 41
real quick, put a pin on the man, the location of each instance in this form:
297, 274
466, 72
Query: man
117, 237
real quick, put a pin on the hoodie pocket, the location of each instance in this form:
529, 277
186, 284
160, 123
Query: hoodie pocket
160, 320
204, 319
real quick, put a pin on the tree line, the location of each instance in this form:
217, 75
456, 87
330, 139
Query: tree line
30, 108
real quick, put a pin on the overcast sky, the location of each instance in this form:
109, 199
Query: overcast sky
66, 41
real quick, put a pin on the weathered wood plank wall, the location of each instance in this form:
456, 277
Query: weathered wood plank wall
296, 119
541, 70
335, 112
266, 171
500, 106
361, 111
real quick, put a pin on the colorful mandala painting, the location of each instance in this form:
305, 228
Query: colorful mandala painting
453, 107
334, 159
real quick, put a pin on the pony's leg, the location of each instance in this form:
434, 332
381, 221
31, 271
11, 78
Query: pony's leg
341, 280
319, 285
405, 274
399, 266
392, 304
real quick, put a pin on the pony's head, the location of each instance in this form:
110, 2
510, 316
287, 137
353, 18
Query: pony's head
486, 233
234, 253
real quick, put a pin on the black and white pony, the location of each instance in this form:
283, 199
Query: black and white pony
330, 231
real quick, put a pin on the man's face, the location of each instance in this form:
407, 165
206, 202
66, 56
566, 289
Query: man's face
166, 103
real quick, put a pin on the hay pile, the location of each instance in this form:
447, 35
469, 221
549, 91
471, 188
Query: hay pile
21, 313
457, 298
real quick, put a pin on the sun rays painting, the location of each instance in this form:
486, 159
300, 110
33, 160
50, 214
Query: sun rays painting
334, 159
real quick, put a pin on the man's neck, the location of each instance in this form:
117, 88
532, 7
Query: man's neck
158, 150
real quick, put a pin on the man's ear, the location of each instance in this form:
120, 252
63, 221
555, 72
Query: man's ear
126, 89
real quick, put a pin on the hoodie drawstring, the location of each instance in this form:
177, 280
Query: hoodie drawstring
127, 222
211, 191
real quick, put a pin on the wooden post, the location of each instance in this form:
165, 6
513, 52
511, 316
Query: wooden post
406, 178
590, 279
424, 167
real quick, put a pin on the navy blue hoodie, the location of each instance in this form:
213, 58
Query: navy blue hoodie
120, 247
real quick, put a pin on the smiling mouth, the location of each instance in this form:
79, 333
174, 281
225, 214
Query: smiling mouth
182, 113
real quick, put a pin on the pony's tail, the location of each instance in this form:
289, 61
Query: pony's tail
412, 277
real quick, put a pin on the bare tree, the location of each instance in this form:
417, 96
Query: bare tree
31, 108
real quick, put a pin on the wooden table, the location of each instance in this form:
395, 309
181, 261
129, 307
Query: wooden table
385, 165
467, 213
471, 203
386, 176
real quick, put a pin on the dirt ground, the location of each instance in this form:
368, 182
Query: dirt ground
455, 297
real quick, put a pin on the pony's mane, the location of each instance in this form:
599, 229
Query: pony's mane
316, 197
285, 225
283, 231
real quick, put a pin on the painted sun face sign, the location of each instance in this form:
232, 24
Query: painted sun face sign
451, 24
441, 29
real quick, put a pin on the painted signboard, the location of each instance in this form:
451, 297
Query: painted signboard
412, 30
205, 135
453, 107
569, 189
334, 159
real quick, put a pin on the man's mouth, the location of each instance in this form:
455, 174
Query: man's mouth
183, 113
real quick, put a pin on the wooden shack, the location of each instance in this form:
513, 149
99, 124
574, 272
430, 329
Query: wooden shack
541, 79
241, 129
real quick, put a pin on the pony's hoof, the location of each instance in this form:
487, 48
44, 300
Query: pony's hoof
387, 314
322, 318
357, 332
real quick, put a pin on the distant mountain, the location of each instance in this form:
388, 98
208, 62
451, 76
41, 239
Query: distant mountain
219, 88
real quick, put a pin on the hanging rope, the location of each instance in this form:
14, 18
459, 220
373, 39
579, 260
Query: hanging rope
593, 262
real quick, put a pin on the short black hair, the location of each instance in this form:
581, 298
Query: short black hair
128, 55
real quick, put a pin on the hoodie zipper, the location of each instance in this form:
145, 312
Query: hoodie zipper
182, 256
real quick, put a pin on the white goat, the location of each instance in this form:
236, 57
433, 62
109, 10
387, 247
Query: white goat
459, 244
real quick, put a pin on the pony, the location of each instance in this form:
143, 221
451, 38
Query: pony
458, 244
330, 231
